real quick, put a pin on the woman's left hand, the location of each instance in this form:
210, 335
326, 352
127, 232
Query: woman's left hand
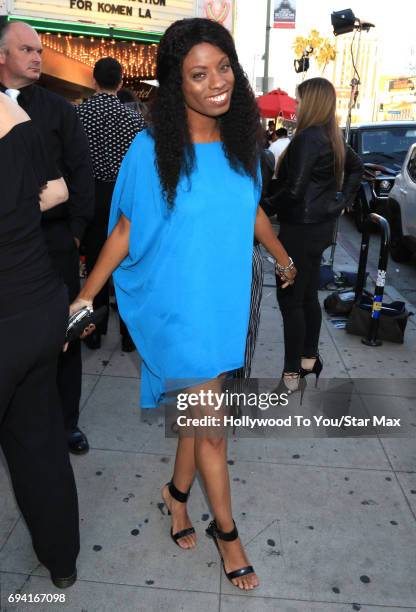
288, 277
264, 233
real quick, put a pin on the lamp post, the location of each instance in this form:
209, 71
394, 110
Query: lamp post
266, 50
344, 22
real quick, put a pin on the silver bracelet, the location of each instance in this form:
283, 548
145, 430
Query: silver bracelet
282, 269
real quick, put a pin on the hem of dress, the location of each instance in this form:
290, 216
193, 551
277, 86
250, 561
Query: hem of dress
201, 380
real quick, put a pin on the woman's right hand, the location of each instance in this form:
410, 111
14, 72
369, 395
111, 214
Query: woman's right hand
79, 304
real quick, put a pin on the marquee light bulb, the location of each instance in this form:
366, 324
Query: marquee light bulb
138, 61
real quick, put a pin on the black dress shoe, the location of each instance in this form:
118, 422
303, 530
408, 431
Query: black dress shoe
93, 341
77, 442
64, 583
127, 344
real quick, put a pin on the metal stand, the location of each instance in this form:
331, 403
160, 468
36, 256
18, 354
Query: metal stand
371, 339
353, 98
355, 82
330, 261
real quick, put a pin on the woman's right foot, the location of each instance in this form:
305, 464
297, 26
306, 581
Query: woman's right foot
312, 365
308, 363
180, 519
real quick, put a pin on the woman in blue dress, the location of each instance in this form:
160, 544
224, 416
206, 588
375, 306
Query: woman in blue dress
184, 215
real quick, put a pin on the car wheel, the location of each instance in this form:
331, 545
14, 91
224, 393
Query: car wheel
398, 250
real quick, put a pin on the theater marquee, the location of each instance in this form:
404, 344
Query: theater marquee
148, 15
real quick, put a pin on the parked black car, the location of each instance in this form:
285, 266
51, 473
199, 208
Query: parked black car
382, 148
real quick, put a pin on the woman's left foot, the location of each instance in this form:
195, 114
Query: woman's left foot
234, 559
291, 383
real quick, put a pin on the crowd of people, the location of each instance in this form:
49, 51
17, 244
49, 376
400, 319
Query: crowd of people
171, 211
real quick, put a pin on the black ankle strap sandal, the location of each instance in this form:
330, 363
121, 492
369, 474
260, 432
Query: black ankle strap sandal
213, 532
182, 498
176, 494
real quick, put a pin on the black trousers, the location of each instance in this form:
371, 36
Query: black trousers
69, 374
94, 239
299, 303
32, 434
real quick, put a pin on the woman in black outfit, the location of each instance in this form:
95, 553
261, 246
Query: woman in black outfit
317, 177
33, 318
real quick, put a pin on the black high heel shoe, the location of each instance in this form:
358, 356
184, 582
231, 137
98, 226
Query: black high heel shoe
183, 498
317, 369
213, 532
283, 388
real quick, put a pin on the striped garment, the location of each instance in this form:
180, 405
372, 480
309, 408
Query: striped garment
254, 321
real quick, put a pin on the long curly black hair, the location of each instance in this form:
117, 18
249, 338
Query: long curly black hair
240, 127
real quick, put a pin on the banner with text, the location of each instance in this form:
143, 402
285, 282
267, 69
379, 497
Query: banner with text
284, 14
141, 15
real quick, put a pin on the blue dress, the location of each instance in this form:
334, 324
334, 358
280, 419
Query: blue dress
184, 289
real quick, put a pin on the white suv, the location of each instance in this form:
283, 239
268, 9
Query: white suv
402, 210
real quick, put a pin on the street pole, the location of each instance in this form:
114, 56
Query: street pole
355, 83
266, 50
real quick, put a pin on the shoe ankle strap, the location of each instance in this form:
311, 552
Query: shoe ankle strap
178, 495
227, 536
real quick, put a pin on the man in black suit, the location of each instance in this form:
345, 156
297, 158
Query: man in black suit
64, 226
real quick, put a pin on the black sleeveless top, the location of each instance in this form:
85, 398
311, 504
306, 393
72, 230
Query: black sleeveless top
26, 275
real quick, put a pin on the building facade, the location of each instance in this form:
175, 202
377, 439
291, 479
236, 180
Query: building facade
359, 59
76, 33
397, 98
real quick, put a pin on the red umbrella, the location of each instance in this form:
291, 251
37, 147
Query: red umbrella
277, 103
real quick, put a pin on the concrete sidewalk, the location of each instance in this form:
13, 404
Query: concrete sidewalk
329, 524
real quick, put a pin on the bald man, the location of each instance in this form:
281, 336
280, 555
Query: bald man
64, 226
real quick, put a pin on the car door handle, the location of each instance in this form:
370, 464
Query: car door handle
403, 191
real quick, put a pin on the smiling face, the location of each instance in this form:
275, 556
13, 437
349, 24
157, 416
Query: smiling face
207, 82
20, 56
